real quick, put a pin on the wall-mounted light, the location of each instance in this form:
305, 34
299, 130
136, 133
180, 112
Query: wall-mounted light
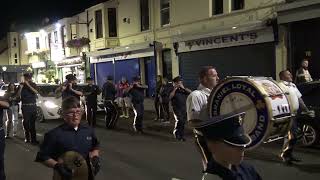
126, 20
4, 68
58, 25
42, 31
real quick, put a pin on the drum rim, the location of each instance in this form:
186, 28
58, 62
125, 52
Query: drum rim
247, 80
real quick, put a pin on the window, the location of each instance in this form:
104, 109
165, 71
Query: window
14, 42
15, 58
55, 37
16, 61
112, 20
99, 28
49, 40
144, 12
15, 55
37, 42
237, 4
165, 12
73, 31
62, 32
217, 7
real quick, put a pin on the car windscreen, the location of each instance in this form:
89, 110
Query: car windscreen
47, 91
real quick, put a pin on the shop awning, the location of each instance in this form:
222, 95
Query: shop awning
298, 11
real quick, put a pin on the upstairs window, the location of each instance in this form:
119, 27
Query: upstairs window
99, 28
73, 31
144, 12
165, 12
14, 42
112, 21
37, 43
56, 37
217, 7
237, 4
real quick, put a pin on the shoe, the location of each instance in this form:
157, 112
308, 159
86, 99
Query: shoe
286, 160
35, 143
182, 139
126, 117
7, 137
294, 159
122, 116
14, 135
27, 141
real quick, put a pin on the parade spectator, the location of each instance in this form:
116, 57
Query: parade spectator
178, 98
302, 74
122, 96
91, 91
12, 96
226, 141
3, 104
136, 92
28, 93
157, 104
297, 105
165, 90
108, 95
70, 136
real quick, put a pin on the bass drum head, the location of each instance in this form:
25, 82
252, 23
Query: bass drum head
241, 95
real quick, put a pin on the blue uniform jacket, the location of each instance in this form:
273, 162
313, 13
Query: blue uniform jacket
65, 138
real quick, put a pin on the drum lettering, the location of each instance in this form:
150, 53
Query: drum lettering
251, 92
261, 122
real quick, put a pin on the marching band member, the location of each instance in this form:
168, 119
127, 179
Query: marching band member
109, 95
3, 104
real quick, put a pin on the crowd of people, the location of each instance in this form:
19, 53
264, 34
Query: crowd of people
221, 140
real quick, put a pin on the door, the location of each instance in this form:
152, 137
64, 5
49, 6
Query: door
150, 72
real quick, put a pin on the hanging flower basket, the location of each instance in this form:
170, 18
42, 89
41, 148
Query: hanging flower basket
78, 43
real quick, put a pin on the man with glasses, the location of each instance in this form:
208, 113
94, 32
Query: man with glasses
226, 142
70, 136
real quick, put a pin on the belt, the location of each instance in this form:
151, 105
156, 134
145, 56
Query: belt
29, 104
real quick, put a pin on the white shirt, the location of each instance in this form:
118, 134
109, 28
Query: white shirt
294, 94
197, 104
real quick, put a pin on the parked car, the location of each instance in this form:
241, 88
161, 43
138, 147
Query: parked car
48, 105
310, 126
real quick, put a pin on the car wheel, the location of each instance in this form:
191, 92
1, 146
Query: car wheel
40, 116
310, 135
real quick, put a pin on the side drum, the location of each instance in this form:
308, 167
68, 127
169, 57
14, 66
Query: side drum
266, 104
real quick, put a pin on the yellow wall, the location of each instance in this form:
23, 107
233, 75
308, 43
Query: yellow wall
4, 58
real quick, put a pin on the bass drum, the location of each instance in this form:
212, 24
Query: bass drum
266, 104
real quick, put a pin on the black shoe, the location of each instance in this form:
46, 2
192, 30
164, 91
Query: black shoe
7, 137
295, 159
286, 160
35, 143
27, 141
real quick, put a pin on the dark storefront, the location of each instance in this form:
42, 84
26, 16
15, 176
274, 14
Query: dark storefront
239, 59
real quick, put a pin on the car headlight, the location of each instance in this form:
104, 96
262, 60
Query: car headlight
2, 93
50, 104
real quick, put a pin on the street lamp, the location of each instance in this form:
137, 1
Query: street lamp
4, 68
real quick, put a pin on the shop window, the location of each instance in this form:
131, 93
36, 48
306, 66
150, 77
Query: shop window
112, 21
165, 12
217, 7
237, 4
55, 37
144, 12
37, 43
99, 28
167, 63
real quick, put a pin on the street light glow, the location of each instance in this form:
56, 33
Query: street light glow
42, 31
58, 25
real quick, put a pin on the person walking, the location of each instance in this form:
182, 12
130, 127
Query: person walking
3, 105
178, 98
136, 92
157, 96
11, 115
108, 95
122, 96
165, 90
70, 136
91, 91
28, 93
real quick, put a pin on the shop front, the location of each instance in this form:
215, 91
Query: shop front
74, 65
247, 53
129, 63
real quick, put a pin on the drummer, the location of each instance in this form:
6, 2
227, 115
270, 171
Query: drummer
226, 141
297, 105
197, 107
70, 136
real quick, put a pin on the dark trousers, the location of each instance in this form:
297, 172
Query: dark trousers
29, 114
291, 140
138, 109
2, 147
203, 149
112, 114
91, 109
158, 108
180, 116
165, 110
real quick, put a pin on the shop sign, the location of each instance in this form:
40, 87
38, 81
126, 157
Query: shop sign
237, 39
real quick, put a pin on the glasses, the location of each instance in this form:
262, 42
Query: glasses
73, 113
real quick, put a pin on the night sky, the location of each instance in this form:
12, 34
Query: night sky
28, 14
